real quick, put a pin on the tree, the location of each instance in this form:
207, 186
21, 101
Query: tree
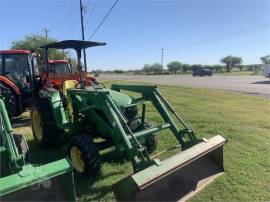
146, 68
118, 71
174, 66
196, 66
265, 59
33, 43
217, 68
231, 61
241, 67
153, 69
185, 67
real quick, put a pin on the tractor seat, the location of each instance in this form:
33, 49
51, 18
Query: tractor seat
68, 84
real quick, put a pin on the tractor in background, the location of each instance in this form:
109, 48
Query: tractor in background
16, 70
61, 70
22, 181
92, 118
21, 79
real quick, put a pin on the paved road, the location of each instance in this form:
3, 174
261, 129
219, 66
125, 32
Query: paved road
256, 85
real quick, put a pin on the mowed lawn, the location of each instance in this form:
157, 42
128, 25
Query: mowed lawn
244, 120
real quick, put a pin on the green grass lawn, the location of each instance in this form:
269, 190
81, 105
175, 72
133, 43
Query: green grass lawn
244, 120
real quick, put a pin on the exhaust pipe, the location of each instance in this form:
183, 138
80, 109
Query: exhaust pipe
176, 178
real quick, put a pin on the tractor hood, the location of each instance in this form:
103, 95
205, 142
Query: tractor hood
120, 98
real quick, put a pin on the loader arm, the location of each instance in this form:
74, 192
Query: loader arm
8, 145
180, 176
186, 136
118, 129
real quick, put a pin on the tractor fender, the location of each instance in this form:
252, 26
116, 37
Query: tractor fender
56, 104
9, 83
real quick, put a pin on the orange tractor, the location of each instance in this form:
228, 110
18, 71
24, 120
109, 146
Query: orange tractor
20, 79
61, 70
16, 68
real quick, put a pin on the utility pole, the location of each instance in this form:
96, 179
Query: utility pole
162, 56
46, 31
230, 64
82, 27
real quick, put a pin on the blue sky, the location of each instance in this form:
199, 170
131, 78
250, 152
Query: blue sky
192, 31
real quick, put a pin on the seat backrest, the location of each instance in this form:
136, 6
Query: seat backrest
68, 84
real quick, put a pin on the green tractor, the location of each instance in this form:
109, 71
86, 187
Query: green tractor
20, 180
94, 118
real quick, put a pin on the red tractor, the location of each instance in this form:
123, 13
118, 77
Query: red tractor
16, 70
61, 70
20, 79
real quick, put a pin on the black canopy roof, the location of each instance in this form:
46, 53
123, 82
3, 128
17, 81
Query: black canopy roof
74, 44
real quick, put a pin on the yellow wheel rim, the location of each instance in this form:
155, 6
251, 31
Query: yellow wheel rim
77, 159
37, 125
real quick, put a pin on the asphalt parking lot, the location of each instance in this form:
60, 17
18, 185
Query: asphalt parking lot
254, 85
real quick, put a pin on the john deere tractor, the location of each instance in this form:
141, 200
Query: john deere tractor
94, 118
22, 181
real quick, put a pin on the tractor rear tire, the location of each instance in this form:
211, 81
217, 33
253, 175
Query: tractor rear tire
84, 155
11, 100
44, 126
151, 139
22, 146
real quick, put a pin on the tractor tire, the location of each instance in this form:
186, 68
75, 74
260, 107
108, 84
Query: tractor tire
151, 140
11, 100
84, 155
22, 146
44, 125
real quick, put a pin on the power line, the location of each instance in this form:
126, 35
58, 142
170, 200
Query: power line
91, 12
250, 44
232, 35
87, 3
253, 29
103, 20
70, 20
162, 57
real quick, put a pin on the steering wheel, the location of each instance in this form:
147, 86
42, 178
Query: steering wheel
40, 81
85, 83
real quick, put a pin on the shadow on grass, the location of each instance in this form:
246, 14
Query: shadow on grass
41, 155
84, 185
113, 157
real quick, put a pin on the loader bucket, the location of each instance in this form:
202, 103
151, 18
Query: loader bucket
176, 178
50, 182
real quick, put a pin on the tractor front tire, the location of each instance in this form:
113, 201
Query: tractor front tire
11, 100
84, 155
44, 126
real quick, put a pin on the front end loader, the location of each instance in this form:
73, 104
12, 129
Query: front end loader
94, 118
22, 181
